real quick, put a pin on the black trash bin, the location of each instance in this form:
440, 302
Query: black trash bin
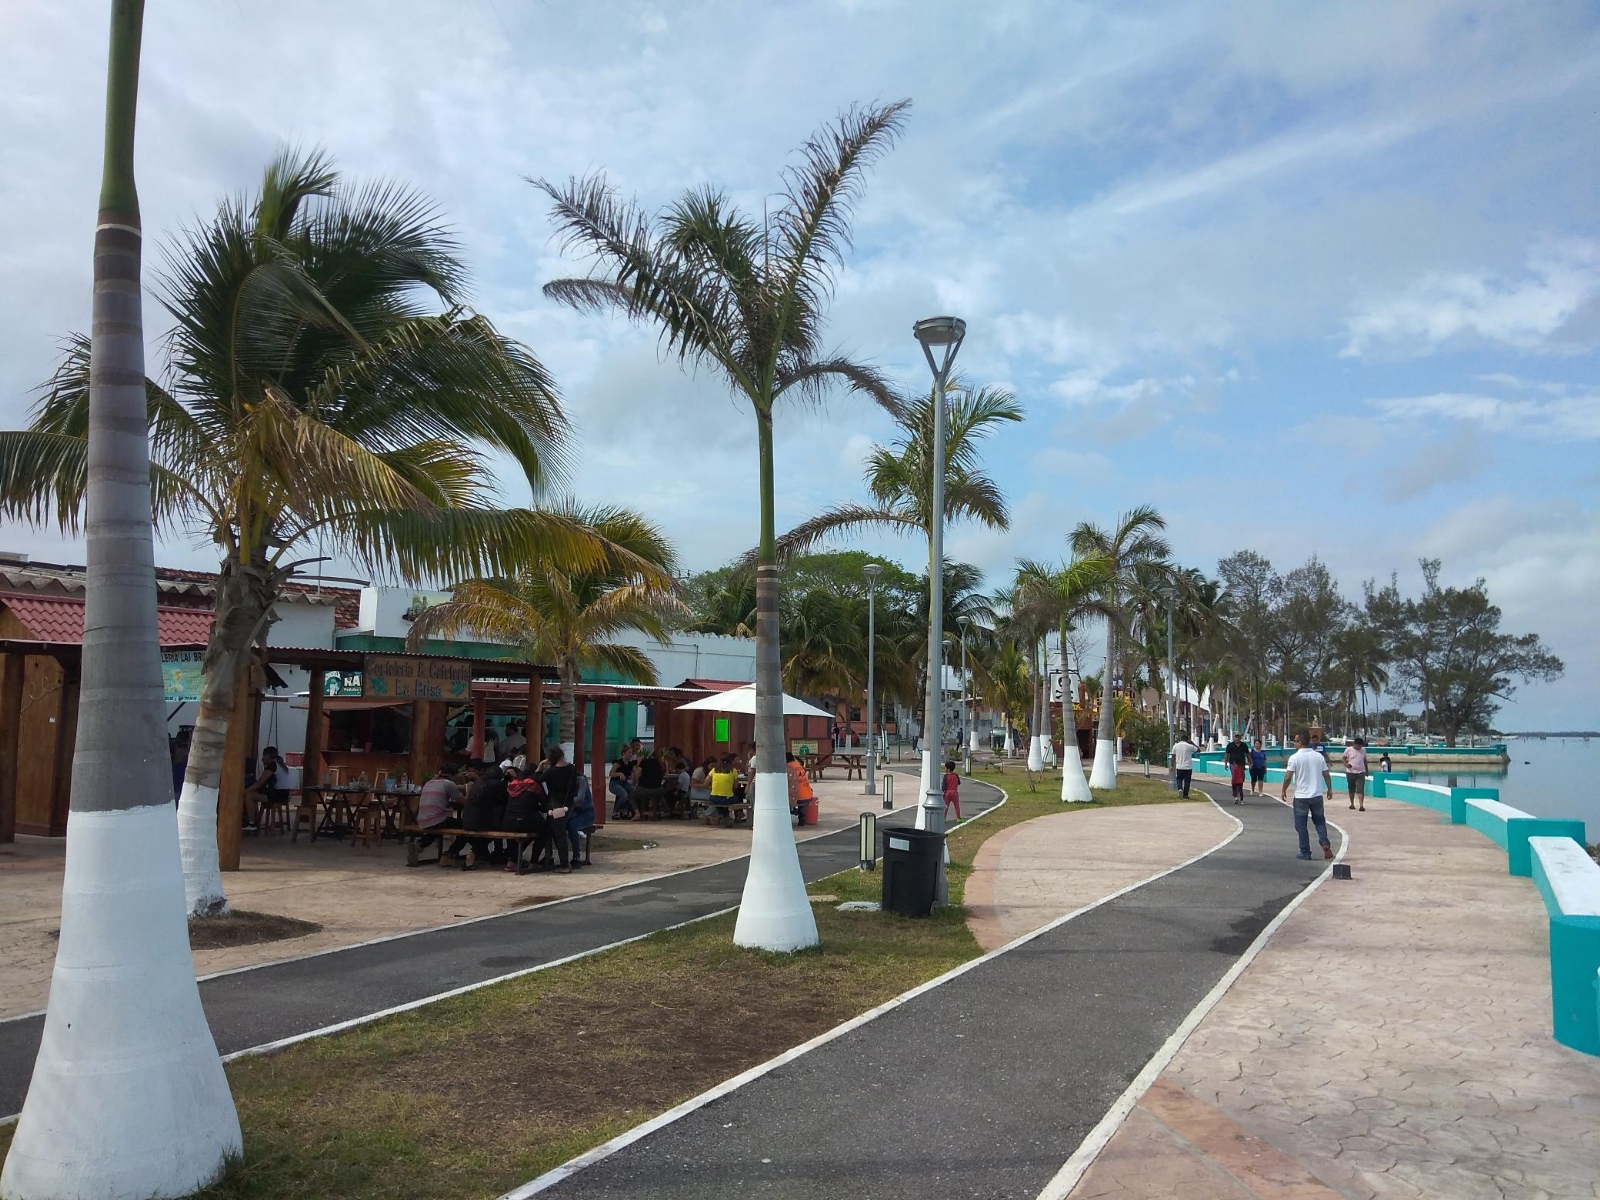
911, 862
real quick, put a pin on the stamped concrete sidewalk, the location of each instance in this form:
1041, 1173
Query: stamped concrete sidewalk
1392, 1040
1030, 874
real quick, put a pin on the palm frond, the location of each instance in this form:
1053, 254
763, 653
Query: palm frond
843, 518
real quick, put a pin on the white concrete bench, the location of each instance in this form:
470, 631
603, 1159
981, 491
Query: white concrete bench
1569, 881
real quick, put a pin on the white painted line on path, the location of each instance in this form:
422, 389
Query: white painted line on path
1095, 1141
606, 1149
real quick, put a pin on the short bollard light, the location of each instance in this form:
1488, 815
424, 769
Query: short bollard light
869, 842
888, 792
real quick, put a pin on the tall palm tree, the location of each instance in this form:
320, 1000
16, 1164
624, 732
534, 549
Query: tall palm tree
312, 398
554, 613
128, 1097
900, 477
1008, 683
1061, 596
746, 298
1127, 552
824, 642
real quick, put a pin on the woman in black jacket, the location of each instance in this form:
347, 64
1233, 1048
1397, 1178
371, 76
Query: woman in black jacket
484, 809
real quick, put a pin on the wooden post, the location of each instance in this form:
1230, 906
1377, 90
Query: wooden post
10, 742
597, 760
579, 710
230, 787
66, 742
427, 738
480, 718
311, 768
535, 720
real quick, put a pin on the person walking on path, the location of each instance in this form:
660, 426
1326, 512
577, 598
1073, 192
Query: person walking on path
952, 789
1237, 756
1183, 763
1258, 768
1355, 773
1308, 771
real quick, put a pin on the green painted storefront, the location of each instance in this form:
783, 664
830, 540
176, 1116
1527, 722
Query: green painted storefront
622, 722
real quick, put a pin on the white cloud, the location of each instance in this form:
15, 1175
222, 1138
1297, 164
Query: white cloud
1554, 306
1563, 417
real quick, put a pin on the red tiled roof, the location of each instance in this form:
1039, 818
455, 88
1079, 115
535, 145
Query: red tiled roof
715, 685
60, 619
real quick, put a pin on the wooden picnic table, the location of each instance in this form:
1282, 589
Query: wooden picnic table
338, 807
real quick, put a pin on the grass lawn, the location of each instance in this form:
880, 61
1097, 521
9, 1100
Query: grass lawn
472, 1096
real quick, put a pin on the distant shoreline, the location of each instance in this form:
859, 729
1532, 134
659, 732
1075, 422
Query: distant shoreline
1554, 733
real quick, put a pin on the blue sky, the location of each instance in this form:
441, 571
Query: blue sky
1308, 277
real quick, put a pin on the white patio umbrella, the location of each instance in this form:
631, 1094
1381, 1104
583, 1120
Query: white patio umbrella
743, 700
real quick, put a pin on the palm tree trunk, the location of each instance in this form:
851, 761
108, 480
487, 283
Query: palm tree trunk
245, 593
1074, 787
567, 704
1035, 723
1104, 772
128, 1097
775, 912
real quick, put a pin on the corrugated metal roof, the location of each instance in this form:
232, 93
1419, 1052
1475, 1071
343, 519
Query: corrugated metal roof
715, 685
60, 619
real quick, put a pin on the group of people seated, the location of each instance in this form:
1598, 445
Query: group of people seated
549, 800
661, 783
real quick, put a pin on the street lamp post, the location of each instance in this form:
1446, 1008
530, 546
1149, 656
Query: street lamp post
872, 570
943, 334
966, 703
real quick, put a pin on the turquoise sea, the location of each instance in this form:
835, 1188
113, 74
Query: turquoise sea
1550, 777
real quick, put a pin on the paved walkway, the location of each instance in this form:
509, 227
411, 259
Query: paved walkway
986, 1084
1392, 1040
253, 1007
358, 895
1030, 874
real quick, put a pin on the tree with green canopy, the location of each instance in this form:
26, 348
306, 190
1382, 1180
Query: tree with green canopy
744, 297
326, 387
564, 614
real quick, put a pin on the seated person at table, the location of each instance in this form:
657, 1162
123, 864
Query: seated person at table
800, 791
620, 785
513, 743
436, 807
485, 809
682, 787
525, 811
724, 779
648, 789
560, 780
271, 785
579, 819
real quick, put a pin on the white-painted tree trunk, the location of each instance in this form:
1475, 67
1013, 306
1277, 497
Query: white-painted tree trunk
1035, 754
1103, 775
972, 739
774, 911
1074, 787
1011, 742
197, 848
128, 1099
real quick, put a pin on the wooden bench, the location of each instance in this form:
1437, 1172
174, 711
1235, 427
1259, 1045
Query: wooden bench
816, 764
523, 841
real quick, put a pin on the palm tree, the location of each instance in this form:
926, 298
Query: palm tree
312, 399
900, 477
128, 1097
556, 614
1062, 596
745, 298
824, 640
1009, 683
1126, 554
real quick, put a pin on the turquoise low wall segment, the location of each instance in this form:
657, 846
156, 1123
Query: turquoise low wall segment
1569, 881
1510, 828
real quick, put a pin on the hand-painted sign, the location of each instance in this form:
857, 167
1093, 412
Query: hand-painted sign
394, 677
181, 675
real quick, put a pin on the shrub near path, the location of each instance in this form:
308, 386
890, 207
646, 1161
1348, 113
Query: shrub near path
474, 1095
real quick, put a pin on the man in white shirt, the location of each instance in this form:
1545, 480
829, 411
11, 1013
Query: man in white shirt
1308, 771
1183, 763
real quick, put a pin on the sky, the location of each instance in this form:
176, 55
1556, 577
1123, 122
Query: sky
1312, 278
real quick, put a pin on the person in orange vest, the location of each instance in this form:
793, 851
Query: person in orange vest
800, 792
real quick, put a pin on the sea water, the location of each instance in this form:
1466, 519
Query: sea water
1548, 777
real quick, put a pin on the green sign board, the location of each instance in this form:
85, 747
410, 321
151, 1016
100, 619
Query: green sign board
341, 683
719, 729
181, 675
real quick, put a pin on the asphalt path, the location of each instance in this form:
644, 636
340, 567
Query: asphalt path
262, 1005
985, 1085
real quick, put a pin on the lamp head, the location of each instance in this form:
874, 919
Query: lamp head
939, 331
872, 570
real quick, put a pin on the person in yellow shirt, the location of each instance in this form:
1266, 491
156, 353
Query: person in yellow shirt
723, 779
